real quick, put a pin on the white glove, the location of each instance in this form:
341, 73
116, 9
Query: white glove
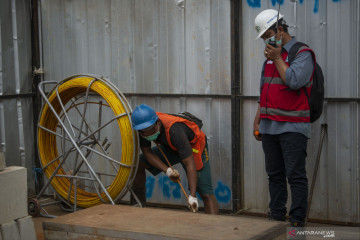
174, 175
193, 204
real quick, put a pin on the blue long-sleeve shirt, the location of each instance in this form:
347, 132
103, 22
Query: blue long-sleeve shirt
297, 76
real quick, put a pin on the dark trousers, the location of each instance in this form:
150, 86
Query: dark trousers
285, 158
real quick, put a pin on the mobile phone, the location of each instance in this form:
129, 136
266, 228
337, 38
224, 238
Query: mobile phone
272, 43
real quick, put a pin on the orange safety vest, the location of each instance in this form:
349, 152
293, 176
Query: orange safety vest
197, 143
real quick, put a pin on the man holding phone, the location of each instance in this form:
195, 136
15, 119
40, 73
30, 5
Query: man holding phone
282, 121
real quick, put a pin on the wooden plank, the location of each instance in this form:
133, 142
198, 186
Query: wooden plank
125, 222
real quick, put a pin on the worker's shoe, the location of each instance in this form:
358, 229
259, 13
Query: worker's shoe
273, 217
297, 224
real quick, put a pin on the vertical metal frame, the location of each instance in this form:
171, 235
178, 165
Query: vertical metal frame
236, 105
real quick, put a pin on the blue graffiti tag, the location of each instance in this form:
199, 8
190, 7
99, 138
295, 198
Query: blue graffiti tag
171, 189
222, 193
166, 185
198, 196
254, 3
316, 4
274, 2
149, 186
257, 3
176, 192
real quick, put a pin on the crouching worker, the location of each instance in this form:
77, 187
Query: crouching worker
183, 142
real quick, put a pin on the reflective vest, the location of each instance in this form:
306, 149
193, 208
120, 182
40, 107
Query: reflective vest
197, 143
280, 103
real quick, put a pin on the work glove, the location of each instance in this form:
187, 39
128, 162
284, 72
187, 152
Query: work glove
193, 204
174, 175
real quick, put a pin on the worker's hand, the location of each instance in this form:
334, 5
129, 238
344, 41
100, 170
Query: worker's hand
193, 204
272, 53
174, 175
256, 131
257, 135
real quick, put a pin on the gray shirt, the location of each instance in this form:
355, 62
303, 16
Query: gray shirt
297, 76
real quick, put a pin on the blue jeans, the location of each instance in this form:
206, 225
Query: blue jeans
285, 158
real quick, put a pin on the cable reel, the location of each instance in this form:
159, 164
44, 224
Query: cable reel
86, 144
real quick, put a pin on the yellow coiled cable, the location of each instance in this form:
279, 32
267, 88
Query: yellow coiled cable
48, 148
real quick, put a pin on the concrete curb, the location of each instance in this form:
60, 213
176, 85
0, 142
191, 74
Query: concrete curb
26, 228
10, 231
21, 229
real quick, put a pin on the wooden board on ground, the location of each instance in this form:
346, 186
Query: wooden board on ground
125, 222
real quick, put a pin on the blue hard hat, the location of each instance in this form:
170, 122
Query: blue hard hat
143, 117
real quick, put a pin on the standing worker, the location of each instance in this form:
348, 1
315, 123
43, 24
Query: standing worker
282, 121
182, 141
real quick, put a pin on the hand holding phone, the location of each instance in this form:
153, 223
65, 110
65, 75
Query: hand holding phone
272, 43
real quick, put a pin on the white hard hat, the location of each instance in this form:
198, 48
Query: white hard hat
265, 20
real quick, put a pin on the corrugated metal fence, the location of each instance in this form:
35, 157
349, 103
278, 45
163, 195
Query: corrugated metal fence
175, 55
172, 55
16, 103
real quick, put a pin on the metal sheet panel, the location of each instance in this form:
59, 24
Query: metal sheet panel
213, 112
16, 119
7, 48
160, 189
143, 46
2, 127
11, 129
22, 40
27, 140
151, 46
184, 47
331, 28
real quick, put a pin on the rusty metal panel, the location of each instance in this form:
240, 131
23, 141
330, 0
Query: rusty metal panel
331, 28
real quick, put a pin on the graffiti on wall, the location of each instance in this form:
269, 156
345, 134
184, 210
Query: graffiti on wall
170, 189
222, 192
257, 3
